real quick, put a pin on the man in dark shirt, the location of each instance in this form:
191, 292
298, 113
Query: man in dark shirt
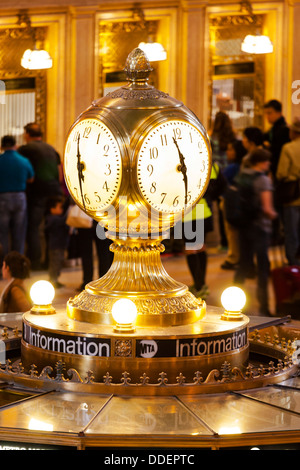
278, 135
274, 139
46, 163
15, 172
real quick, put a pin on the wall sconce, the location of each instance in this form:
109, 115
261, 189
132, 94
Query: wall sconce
33, 59
233, 300
124, 312
42, 294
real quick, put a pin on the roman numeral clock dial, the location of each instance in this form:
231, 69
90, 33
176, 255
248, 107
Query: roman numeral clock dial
173, 166
92, 165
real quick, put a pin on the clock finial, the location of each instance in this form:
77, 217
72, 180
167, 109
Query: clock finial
137, 66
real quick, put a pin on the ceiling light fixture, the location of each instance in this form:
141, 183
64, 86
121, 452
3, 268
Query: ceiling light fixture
255, 43
36, 59
154, 50
33, 59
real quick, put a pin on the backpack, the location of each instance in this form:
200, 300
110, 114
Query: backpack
241, 204
217, 184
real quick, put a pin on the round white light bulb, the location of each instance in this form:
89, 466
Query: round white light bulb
124, 311
233, 299
42, 293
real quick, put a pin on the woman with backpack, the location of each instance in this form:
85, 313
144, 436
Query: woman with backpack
235, 153
255, 194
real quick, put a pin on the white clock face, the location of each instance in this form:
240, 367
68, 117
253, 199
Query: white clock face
92, 164
173, 166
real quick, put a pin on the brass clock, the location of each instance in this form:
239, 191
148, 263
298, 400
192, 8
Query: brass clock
136, 160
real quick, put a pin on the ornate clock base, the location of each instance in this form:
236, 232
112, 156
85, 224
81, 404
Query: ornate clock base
137, 273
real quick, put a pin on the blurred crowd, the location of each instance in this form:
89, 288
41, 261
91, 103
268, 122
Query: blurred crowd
258, 201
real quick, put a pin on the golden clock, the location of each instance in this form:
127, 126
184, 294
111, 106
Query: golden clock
136, 161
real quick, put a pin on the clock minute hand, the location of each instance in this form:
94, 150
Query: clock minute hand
183, 170
80, 168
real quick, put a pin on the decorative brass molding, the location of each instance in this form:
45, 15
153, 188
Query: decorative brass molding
164, 311
236, 20
123, 348
128, 94
117, 27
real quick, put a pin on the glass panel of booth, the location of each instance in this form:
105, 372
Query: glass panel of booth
147, 415
53, 412
284, 398
235, 414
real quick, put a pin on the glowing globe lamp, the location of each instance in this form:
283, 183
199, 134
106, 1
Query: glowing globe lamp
233, 300
124, 313
42, 294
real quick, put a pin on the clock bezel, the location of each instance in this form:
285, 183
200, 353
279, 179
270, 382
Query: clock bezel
142, 132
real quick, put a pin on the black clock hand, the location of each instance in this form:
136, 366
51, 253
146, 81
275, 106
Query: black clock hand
183, 170
80, 168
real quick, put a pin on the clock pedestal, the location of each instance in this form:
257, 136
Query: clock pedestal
137, 273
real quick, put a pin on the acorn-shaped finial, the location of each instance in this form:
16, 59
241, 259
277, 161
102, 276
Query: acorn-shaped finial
137, 65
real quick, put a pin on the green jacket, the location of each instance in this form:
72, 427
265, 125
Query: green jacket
205, 211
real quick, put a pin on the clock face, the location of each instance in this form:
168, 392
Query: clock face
92, 164
173, 166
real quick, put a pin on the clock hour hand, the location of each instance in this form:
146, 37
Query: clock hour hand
182, 167
80, 168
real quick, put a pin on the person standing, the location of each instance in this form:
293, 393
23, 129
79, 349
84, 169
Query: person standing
253, 139
86, 239
235, 154
221, 135
15, 269
15, 172
47, 166
196, 225
274, 139
57, 236
256, 190
278, 134
289, 170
